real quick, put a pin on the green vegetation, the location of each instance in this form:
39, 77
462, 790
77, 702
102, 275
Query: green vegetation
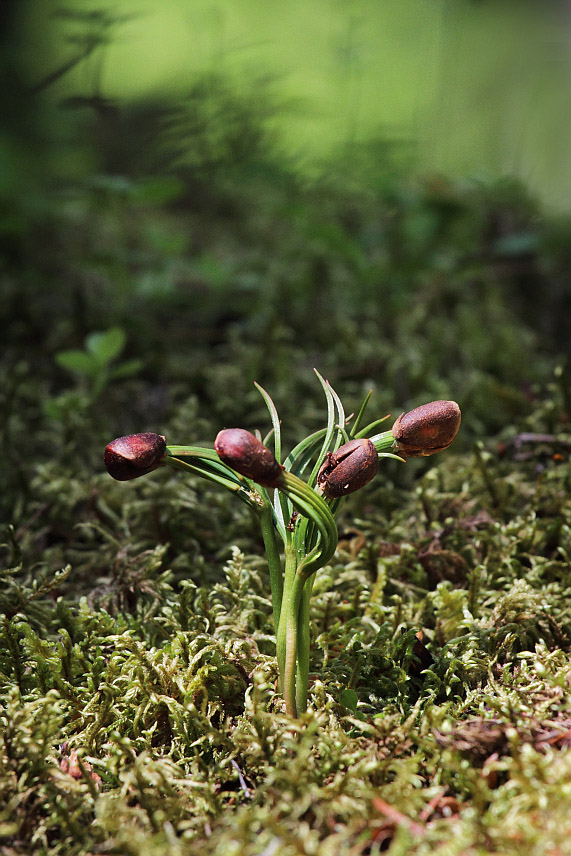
139, 706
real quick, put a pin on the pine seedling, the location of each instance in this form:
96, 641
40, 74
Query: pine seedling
296, 499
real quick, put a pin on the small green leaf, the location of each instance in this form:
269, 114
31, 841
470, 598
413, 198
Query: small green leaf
78, 361
340, 412
275, 421
106, 346
361, 413
349, 699
330, 427
282, 506
372, 426
126, 369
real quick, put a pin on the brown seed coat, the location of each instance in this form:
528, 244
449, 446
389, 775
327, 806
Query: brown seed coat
427, 429
242, 451
134, 455
349, 468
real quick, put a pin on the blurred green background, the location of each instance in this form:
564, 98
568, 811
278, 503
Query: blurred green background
476, 88
196, 195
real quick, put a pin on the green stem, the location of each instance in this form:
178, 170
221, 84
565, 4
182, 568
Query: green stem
293, 629
291, 640
303, 648
286, 634
274, 560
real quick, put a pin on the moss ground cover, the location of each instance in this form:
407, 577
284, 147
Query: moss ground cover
139, 704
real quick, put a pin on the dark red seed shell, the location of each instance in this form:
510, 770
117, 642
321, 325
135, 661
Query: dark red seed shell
427, 429
349, 468
134, 455
242, 451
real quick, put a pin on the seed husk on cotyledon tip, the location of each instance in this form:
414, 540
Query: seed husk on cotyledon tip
242, 451
349, 468
427, 429
134, 455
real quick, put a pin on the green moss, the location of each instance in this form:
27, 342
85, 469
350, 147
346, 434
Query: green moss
166, 687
